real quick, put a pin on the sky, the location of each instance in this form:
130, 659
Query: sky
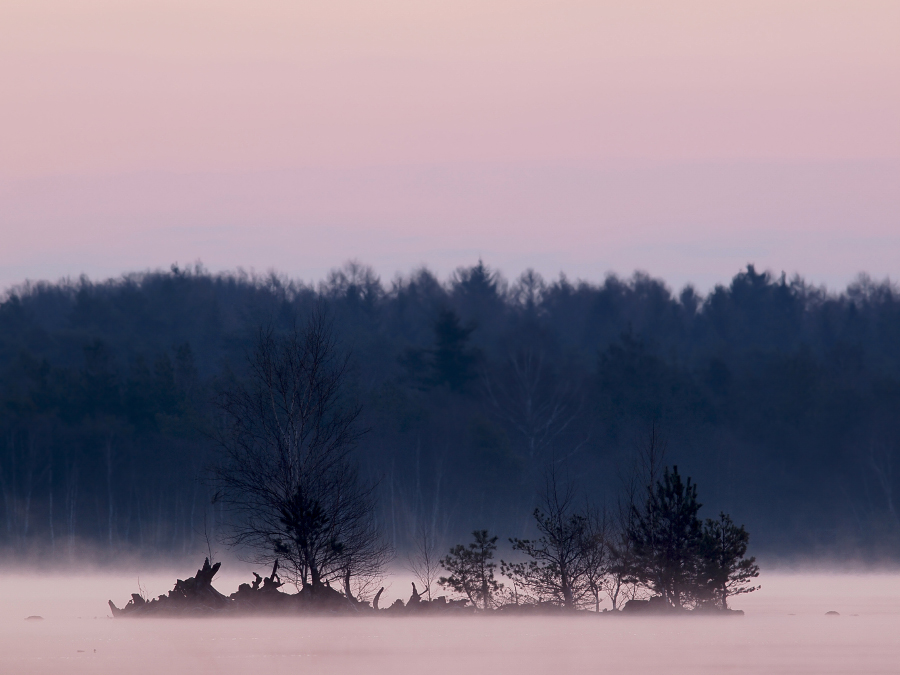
684, 138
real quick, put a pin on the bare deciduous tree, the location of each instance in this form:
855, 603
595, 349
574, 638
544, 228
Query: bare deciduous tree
423, 561
554, 570
288, 478
878, 455
568, 564
525, 395
596, 553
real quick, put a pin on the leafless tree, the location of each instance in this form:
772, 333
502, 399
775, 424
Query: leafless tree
878, 456
620, 584
362, 576
557, 561
596, 556
424, 561
288, 479
528, 291
526, 396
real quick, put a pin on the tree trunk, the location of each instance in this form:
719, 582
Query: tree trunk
347, 590
70, 502
50, 504
109, 492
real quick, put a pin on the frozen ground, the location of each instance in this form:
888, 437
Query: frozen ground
785, 630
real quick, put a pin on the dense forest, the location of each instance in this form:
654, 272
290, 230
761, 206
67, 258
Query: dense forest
780, 399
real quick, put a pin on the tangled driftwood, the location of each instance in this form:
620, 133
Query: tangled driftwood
197, 597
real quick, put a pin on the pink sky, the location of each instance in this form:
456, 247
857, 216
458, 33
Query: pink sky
684, 138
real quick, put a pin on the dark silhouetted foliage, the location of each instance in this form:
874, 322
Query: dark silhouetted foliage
287, 477
781, 399
726, 572
667, 538
472, 570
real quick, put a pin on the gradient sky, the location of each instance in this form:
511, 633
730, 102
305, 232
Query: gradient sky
680, 137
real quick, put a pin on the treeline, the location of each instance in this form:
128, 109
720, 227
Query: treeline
782, 400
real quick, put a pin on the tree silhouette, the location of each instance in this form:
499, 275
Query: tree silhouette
287, 475
773, 390
453, 361
558, 566
725, 570
472, 570
666, 535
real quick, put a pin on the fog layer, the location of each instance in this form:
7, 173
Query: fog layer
785, 630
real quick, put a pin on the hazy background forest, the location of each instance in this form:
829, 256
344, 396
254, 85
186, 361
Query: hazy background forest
779, 398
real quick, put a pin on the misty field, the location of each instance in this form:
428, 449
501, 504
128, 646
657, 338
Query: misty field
785, 630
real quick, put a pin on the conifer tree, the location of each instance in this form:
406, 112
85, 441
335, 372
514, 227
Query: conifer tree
472, 570
726, 572
667, 536
452, 360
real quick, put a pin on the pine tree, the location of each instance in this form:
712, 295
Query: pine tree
472, 570
726, 572
452, 359
667, 536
